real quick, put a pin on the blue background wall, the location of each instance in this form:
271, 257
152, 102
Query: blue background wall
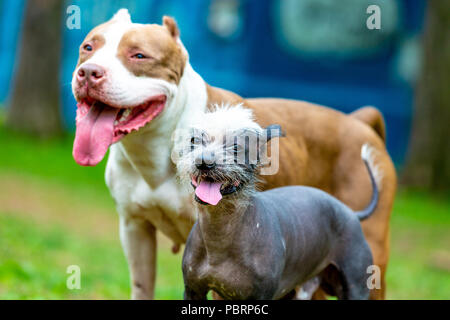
250, 54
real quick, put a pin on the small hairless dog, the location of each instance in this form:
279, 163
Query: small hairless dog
261, 245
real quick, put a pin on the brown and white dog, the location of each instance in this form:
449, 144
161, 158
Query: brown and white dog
134, 87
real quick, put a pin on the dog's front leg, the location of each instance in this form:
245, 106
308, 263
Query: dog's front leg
138, 237
190, 294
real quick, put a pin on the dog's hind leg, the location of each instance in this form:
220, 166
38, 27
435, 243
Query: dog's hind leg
138, 238
353, 264
190, 294
354, 284
344, 283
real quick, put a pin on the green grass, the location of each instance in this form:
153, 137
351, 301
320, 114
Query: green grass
419, 266
50, 159
35, 250
34, 256
34, 261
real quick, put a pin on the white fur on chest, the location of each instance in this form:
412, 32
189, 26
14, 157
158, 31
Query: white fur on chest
140, 173
168, 206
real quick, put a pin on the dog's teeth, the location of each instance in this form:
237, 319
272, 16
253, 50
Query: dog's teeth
127, 112
116, 123
125, 115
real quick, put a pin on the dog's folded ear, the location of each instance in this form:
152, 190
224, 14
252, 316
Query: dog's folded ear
172, 26
273, 131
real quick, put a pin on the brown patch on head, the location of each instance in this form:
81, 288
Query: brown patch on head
152, 51
95, 39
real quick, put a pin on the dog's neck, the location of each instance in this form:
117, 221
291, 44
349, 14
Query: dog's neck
149, 149
219, 224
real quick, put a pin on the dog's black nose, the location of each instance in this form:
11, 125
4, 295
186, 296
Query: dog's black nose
205, 166
205, 162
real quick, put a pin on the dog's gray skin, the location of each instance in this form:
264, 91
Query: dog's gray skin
261, 245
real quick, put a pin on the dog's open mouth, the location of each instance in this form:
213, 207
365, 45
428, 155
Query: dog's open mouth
100, 125
209, 191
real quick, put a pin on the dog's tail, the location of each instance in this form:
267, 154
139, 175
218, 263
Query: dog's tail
367, 155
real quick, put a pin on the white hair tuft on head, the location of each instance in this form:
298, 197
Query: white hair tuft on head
228, 117
122, 15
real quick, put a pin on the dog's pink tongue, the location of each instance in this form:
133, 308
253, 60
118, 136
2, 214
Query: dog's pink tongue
94, 135
209, 192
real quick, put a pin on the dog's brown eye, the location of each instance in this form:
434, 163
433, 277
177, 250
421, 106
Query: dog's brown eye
87, 47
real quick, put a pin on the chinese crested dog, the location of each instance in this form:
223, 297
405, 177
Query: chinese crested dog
262, 245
